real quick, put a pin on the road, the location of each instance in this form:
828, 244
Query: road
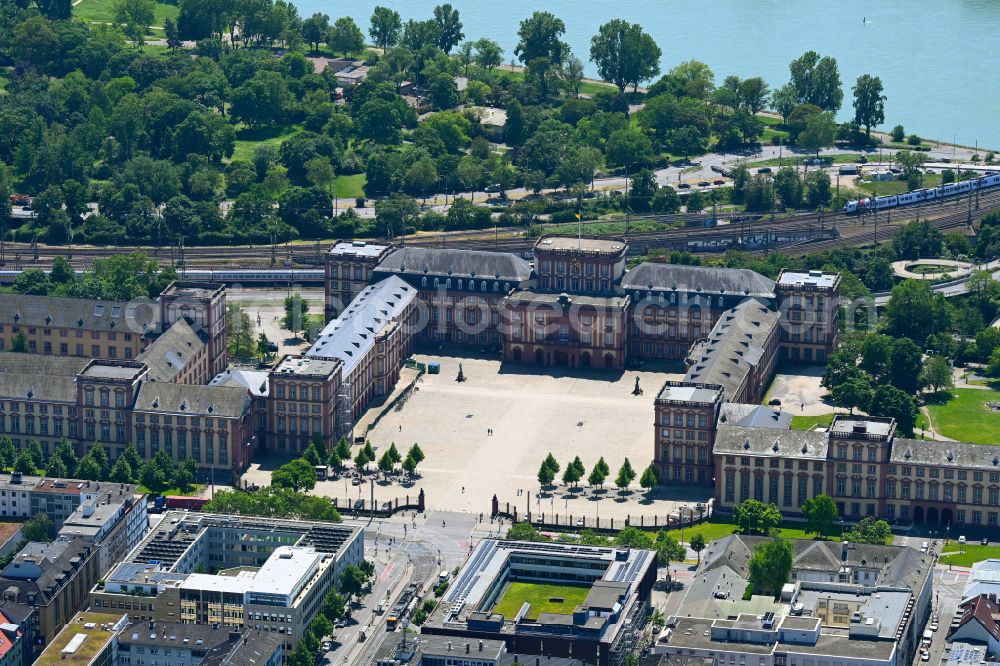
950, 288
421, 547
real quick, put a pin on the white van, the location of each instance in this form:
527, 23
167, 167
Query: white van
444, 577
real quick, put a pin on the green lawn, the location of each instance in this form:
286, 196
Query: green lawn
962, 414
350, 187
719, 527
897, 186
103, 11
807, 422
541, 597
248, 138
973, 553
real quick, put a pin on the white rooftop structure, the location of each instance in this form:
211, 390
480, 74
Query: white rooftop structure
351, 335
255, 381
277, 582
358, 249
284, 575
810, 279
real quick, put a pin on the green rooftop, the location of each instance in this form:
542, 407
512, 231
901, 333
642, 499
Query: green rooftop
97, 631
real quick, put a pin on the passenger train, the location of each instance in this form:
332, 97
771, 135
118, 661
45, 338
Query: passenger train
868, 204
250, 276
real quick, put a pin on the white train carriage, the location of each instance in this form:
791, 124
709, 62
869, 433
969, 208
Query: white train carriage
858, 206
881, 203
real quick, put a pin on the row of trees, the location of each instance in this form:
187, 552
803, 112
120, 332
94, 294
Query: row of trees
668, 548
821, 517
157, 474
575, 472
121, 277
299, 475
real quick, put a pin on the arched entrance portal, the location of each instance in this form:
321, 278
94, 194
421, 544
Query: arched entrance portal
539, 356
562, 358
946, 516
585, 360
609, 361
918, 514
932, 516
517, 354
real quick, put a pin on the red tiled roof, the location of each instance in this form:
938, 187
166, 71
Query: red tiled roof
983, 611
5, 643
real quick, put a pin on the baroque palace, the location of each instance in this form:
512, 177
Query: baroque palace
156, 373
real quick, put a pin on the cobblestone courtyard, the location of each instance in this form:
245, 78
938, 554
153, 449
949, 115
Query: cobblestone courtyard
530, 411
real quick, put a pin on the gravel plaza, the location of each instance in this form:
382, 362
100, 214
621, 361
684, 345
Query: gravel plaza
531, 411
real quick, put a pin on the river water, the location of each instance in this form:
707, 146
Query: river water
939, 60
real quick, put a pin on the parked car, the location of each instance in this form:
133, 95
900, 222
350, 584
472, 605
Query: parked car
684, 186
764, 170
718, 181
774, 402
984, 541
359, 504
703, 183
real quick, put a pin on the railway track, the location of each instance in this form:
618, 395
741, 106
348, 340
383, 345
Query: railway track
948, 214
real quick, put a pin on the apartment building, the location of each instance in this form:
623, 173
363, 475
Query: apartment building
53, 578
852, 604
286, 569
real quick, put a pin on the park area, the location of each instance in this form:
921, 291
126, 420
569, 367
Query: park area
543, 598
966, 414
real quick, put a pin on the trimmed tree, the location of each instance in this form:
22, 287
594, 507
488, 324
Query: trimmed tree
820, 513
625, 475
698, 544
649, 478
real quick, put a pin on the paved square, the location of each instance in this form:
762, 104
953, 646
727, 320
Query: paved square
531, 411
798, 388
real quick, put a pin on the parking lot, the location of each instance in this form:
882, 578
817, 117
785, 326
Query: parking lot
530, 412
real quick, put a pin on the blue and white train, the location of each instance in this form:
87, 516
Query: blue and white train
868, 204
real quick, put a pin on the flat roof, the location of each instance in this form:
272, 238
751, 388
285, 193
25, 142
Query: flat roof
549, 298
690, 392
95, 638
284, 570
808, 278
358, 249
7, 530
302, 365
233, 584
568, 243
111, 370
860, 425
